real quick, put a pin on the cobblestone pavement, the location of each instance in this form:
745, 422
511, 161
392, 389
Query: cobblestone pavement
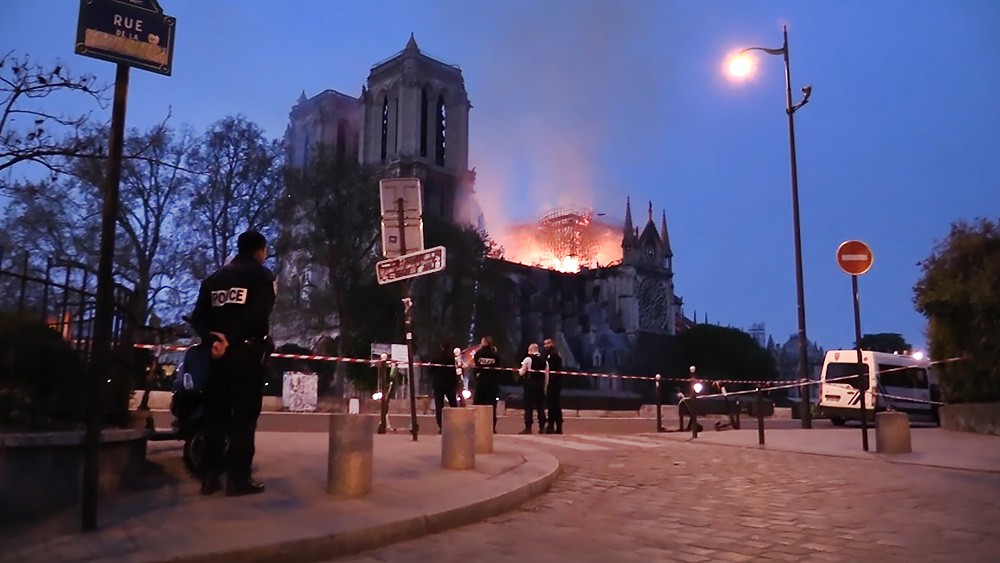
649, 499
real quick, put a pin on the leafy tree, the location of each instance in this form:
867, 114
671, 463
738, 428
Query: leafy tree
237, 187
959, 295
885, 342
29, 130
725, 353
332, 211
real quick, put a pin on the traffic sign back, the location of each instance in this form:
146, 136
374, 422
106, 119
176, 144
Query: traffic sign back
854, 257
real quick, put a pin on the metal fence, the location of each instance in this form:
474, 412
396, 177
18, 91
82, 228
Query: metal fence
63, 295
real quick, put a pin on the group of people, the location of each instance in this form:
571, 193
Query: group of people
539, 374
232, 317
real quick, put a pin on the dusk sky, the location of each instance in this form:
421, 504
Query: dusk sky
586, 102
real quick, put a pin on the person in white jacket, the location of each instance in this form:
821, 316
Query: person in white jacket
535, 377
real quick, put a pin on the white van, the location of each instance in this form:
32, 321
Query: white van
896, 381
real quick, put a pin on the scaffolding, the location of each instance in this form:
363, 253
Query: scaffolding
569, 232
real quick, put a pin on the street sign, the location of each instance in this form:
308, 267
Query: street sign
392, 191
411, 265
854, 257
132, 32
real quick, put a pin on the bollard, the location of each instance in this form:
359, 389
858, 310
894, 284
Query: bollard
659, 406
349, 465
458, 438
892, 433
483, 428
760, 417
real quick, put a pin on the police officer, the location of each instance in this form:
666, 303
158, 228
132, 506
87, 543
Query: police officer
534, 379
553, 391
444, 379
232, 313
487, 363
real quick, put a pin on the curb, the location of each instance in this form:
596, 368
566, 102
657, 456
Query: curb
324, 548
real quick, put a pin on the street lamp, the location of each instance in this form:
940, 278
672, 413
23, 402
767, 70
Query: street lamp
741, 66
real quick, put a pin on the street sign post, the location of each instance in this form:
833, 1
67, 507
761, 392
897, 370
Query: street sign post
411, 265
132, 32
129, 33
856, 258
402, 223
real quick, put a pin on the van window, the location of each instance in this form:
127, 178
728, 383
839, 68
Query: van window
901, 376
838, 370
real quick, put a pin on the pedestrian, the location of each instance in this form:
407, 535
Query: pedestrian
534, 378
553, 391
444, 380
487, 365
233, 315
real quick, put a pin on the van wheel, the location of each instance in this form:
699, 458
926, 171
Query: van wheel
837, 421
194, 452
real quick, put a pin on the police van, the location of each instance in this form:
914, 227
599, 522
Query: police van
895, 381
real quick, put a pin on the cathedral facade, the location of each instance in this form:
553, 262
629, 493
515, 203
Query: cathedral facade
412, 119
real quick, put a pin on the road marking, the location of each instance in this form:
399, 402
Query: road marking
558, 442
619, 441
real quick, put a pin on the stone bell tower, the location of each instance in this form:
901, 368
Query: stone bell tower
416, 124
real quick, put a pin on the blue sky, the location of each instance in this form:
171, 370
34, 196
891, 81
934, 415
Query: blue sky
585, 102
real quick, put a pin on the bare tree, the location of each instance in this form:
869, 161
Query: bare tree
29, 130
237, 188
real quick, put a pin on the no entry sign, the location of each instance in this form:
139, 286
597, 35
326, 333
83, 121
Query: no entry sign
854, 257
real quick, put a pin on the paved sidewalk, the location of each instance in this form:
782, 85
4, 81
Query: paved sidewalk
932, 447
295, 518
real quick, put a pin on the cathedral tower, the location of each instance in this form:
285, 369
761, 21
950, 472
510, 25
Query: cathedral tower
416, 123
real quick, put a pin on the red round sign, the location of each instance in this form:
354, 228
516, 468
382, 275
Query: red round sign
854, 257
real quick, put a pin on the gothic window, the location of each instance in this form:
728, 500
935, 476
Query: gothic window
597, 359
306, 159
385, 126
441, 117
423, 122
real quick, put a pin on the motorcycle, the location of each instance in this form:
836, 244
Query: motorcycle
188, 405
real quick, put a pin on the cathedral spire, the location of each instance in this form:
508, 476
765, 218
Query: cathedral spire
650, 211
664, 237
627, 231
411, 45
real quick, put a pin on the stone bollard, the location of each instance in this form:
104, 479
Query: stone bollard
484, 428
892, 433
458, 438
349, 467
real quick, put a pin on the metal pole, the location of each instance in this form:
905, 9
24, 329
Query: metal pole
101, 344
760, 416
862, 372
659, 406
806, 404
384, 401
408, 318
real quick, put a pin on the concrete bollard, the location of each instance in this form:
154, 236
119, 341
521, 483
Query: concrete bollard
484, 428
458, 438
892, 433
349, 466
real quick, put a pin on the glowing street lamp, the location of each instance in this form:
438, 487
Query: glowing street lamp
740, 66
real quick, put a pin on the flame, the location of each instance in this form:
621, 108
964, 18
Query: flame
522, 244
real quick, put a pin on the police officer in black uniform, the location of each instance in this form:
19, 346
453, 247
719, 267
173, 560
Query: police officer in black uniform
444, 380
233, 313
553, 391
487, 363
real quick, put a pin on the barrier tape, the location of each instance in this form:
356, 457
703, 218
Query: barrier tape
766, 385
910, 399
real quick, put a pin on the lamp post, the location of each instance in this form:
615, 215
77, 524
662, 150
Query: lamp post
741, 66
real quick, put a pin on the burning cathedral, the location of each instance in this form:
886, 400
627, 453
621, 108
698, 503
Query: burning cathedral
604, 290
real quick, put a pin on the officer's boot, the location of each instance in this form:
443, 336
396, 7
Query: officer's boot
211, 481
527, 429
559, 427
549, 429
